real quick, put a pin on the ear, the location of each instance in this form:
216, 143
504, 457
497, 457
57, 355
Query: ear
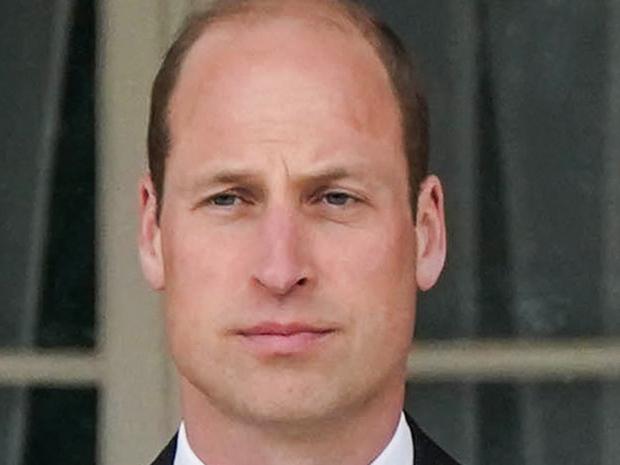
149, 239
430, 233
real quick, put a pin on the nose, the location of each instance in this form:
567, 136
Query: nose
282, 267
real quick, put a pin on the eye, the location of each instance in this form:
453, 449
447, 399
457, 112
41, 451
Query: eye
339, 199
226, 199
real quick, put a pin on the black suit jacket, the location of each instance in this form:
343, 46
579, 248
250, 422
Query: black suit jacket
426, 452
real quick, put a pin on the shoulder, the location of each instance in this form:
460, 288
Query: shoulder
426, 451
166, 456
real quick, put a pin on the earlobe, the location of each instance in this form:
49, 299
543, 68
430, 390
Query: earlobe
430, 233
149, 239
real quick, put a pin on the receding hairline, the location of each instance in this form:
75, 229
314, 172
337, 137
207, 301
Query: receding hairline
259, 14
342, 16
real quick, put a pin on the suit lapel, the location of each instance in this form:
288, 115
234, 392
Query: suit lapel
425, 451
166, 457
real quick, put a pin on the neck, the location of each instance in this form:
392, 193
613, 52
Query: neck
355, 437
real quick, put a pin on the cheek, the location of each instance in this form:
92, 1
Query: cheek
196, 253
202, 272
373, 274
371, 261
199, 286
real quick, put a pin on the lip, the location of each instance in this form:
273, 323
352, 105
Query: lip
272, 338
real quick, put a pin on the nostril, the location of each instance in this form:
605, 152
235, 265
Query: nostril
302, 281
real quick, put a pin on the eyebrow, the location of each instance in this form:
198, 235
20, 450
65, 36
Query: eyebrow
326, 176
253, 178
232, 176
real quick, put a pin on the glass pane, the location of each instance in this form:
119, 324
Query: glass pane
48, 425
515, 423
47, 173
520, 118
66, 315
544, 144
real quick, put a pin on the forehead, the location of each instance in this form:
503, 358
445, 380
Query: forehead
290, 77
320, 38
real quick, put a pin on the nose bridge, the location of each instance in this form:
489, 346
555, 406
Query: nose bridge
279, 226
281, 265
280, 215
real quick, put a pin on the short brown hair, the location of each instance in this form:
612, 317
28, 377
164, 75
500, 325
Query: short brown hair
390, 49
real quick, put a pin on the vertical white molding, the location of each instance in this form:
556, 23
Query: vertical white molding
134, 401
174, 13
139, 396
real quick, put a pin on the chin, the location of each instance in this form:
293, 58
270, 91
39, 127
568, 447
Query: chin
287, 400
278, 399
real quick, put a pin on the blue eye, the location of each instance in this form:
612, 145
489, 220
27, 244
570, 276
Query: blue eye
337, 198
224, 200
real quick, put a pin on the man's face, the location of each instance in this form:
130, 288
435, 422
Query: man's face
286, 249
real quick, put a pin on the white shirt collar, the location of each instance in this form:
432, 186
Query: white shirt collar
184, 454
399, 450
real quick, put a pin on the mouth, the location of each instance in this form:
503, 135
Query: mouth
284, 339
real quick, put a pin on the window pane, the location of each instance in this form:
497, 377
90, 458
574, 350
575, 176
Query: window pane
48, 425
47, 173
515, 423
522, 113
67, 308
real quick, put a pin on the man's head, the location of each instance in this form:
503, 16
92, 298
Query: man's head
342, 14
286, 247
